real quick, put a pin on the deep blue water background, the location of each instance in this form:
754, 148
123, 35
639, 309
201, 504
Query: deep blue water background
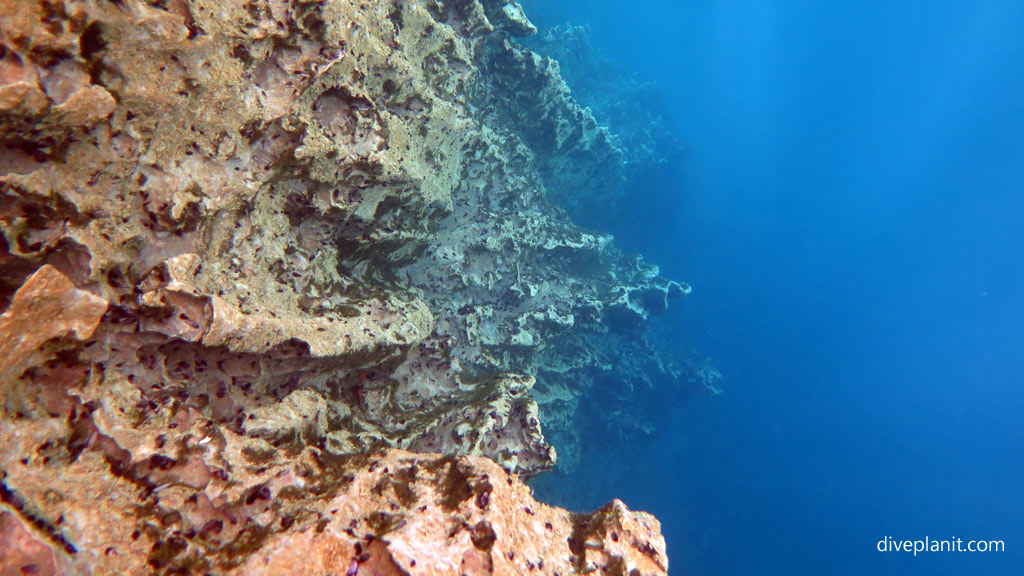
851, 217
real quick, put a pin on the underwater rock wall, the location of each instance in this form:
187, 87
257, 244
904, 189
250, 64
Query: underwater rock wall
245, 245
631, 108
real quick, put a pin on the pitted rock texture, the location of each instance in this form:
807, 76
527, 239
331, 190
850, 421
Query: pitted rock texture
102, 480
246, 243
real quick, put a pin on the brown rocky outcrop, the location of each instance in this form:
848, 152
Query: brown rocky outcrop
250, 251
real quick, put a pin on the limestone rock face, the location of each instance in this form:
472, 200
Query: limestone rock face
108, 484
459, 516
244, 246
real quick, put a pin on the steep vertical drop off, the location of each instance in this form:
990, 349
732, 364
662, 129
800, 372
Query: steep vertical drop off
277, 276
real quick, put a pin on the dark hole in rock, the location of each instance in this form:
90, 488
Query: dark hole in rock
91, 42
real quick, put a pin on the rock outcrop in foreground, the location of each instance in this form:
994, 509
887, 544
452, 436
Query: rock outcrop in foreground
279, 280
100, 479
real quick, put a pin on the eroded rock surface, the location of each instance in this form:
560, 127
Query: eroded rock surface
108, 483
245, 245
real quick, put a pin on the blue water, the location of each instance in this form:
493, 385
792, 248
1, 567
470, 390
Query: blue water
851, 217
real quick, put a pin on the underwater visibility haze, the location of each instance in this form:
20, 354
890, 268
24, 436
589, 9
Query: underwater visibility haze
849, 213
423, 286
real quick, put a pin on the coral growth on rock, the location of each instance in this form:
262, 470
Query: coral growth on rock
252, 250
